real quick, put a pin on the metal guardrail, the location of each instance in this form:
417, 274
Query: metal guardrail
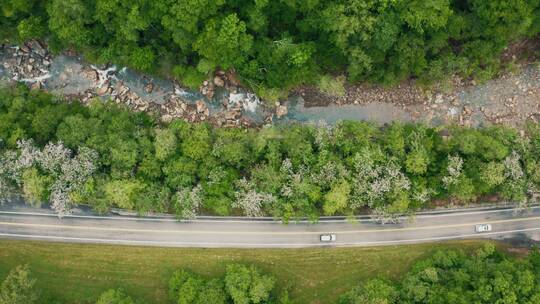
84, 210
445, 210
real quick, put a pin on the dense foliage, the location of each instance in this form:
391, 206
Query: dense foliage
106, 156
241, 285
18, 287
278, 44
456, 278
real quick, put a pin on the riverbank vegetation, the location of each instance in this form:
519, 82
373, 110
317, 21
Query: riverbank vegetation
106, 156
80, 273
276, 45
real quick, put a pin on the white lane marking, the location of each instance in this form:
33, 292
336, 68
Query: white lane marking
247, 221
221, 232
225, 245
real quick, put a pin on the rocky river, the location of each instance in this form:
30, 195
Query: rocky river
510, 99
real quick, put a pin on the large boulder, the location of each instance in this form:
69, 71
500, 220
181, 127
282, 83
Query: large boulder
149, 88
281, 110
219, 82
92, 75
103, 90
201, 106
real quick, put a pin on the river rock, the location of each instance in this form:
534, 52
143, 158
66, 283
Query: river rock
103, 90
281, 111
92, 75
218, 81
183, 106
38, 48
209, 90
230, 115
25, 49
201, 106
149, 88
439, 98
123, 90
166, 118
36, 85
232, 79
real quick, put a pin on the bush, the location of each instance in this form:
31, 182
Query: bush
332, 86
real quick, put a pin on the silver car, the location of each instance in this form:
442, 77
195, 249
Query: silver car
482, 228
328, 237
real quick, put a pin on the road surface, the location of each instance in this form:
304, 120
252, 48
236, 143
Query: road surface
37, 224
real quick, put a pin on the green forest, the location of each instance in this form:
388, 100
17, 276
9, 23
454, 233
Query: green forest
451, 277
276, 45
105, 156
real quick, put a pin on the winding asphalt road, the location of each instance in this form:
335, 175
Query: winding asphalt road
39, 224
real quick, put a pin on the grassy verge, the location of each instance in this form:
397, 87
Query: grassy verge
75, 273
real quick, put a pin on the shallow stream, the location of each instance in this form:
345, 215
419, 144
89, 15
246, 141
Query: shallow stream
68, 75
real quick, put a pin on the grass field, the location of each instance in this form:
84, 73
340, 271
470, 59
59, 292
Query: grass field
76, 273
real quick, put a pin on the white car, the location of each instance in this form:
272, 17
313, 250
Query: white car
482, 227
328, 237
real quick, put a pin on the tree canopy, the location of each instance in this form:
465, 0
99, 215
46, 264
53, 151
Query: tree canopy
279, 44
242, 285
105, 156
449, 276
18, 287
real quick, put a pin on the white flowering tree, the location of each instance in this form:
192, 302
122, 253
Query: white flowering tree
376, 183
454, 171
67, 172
300, 188
512, 165
329, 173
293, 180
515, 186
188, 201
249, 200
323, 133
456, 182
